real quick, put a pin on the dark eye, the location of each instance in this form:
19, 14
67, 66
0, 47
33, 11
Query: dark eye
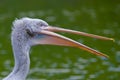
41, 24
29, 33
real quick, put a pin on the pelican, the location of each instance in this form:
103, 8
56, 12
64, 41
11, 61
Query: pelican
27, 32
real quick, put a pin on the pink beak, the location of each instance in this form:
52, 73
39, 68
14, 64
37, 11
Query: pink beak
52, 38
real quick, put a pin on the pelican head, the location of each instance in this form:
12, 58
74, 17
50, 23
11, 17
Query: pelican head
37, 31
27, 32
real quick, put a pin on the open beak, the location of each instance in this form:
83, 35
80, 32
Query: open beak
52, 38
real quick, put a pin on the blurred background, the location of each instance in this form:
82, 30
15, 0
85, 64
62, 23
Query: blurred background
101, 17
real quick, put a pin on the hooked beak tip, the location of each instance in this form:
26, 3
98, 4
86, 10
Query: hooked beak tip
112, 39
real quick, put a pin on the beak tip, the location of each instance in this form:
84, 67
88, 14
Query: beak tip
112, 39
106, 56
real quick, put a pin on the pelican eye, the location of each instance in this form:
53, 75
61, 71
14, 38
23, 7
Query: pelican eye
41, 24
29, 33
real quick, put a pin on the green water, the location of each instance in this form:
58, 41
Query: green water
100, 17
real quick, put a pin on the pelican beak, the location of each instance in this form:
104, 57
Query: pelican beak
52, 38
